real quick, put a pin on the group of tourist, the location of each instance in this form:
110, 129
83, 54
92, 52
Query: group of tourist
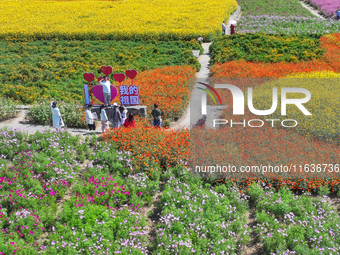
232, 28
118, 116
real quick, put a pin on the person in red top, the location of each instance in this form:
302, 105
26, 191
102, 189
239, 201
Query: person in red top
130, 121
232, 29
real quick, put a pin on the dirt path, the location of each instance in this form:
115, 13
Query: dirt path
21, 123
154, 214
254, 247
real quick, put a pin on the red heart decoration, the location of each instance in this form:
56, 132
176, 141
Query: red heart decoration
119, 77
89, 76
98, 92
107, 70
131, 73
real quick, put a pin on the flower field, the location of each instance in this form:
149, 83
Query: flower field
65, 195
288, 25
279, 7
81, 19
265, 48
243, 69
288, 17
327, 7
53, 69
135, 190
320, 106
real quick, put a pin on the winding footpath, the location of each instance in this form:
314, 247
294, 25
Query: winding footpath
190, 118
19, 123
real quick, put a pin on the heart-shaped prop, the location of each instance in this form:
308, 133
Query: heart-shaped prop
89, 76
107, 70
98, 93
119, 77
131, 73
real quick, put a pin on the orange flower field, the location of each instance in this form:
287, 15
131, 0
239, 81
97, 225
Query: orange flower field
330, 61
149, 144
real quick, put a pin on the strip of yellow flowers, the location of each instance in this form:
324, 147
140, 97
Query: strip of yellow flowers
126, 19
324, 103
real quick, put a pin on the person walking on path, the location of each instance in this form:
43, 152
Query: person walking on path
103, 117
58, 122
89, 118
130, 121
223, 28
106, 90
338, 14
156, 114
115, 116
123, 113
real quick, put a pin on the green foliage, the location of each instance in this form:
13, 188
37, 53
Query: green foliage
255, 192
323, 191
265, 48
7, 108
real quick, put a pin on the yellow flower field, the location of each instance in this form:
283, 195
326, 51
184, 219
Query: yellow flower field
128, 19
324, 122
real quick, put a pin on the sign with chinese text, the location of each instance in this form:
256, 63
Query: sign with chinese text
129, 95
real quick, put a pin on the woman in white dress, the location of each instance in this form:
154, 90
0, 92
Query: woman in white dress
103, 117
57, 120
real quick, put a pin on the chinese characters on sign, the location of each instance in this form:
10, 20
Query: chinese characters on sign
129, 95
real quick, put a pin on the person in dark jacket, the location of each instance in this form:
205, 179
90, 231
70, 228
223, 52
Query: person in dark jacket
156, 114
115, 116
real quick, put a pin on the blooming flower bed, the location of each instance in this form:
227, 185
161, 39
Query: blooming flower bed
287, 223
54, 68
279, 7
265, 48
327, 7
197, 220
321, 105
123, 20
288, 25
242, 69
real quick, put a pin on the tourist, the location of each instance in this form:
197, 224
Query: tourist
200, 39
156, 114
58, 122
103, 118
106, 90
223, 28
232, 29
89, 118
338, 14
130, 121
123, 113
115, 116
